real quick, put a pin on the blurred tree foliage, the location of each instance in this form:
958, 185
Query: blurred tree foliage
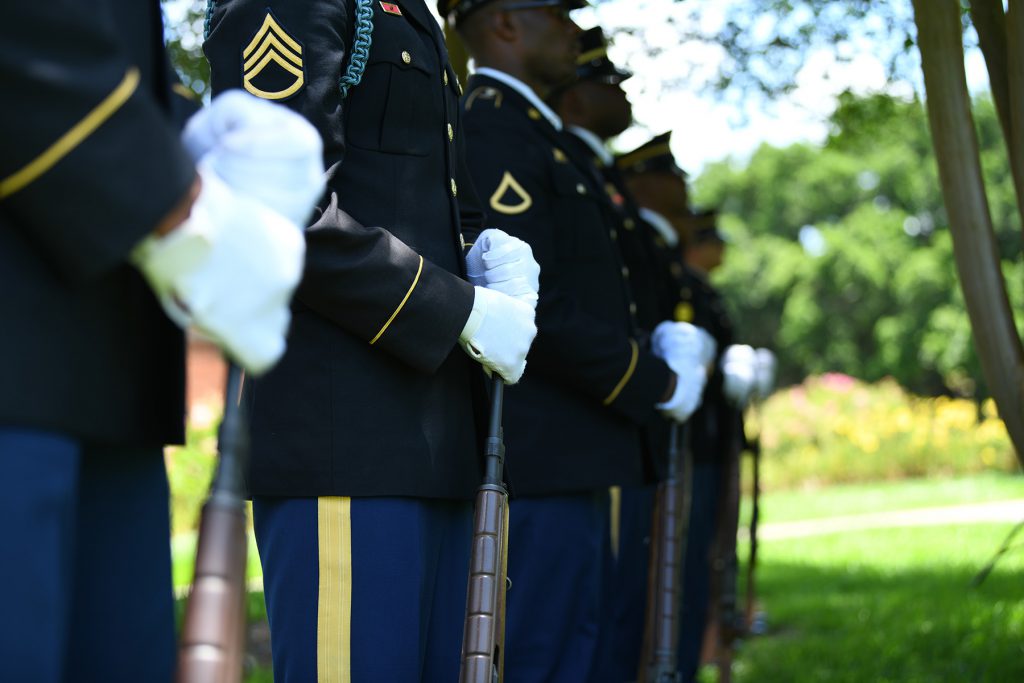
184, 28
840, 257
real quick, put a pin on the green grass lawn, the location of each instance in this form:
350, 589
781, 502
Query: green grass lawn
885, 605
852, 499
889, 605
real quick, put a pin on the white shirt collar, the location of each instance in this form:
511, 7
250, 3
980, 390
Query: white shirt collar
594, 143
662, 225
524, 90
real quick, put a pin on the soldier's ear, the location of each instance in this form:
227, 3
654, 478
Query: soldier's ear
506, 26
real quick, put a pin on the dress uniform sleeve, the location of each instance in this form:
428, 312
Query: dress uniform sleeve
572, 347
362, 278
89, 164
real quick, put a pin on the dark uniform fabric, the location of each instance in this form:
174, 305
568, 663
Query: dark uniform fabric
574, 423
92, 371
626, 565
556, 599
713, 433
383, 567
89, 163
373, 396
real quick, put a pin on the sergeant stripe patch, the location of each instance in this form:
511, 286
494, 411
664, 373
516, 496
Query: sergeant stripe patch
276, 58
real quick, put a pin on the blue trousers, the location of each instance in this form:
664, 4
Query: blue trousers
86, 568
364, 589
556, 545
625, 589
697, 566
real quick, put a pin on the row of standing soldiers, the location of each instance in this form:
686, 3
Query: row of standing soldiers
366, 435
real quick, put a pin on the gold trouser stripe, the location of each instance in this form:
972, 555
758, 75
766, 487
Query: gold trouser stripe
73, 137
615, 517
398, 310
334, 603
625, 378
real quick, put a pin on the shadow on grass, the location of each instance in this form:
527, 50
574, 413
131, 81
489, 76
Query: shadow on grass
860, 623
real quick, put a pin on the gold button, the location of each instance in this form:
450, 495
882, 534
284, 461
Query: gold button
455, 189
451, 133
406, 57
533, 114
614, 233
625, 271
581, 188
629, 224
632, 308
446, 78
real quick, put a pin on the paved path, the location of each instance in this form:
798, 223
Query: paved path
1009, 511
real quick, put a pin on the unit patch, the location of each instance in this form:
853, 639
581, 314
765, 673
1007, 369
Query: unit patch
521, 200
272, 66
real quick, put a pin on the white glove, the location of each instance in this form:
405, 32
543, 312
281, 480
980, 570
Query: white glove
230, 270
739, 367
684, 348
260, 149
764, 372
499, 332
504, 263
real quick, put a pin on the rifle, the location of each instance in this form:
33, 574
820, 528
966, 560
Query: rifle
213, 634
483, 638
725, 562
754, 620
664, 579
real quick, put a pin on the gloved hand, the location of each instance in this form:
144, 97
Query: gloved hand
739, 364
230, 270
499, 332
504, 263
764, 372
262, 150
684, 348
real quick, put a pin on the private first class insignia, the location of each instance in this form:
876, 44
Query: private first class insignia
272, 66
510, 198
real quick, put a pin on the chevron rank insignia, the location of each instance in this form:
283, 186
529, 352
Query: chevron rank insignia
272, 66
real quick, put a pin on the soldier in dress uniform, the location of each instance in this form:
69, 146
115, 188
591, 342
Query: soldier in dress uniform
366, 442
659, 185
107, 228
595, 109
575, 425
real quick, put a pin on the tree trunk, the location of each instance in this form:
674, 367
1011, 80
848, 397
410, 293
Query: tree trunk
956, 149
1000, 41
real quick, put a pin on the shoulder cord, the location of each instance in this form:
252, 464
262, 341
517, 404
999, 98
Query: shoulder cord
210, 5
361, 42
360, 47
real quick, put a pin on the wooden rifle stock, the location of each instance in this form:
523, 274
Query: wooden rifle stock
725, 562
213, 633
665, 571
483, 639
753, 620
